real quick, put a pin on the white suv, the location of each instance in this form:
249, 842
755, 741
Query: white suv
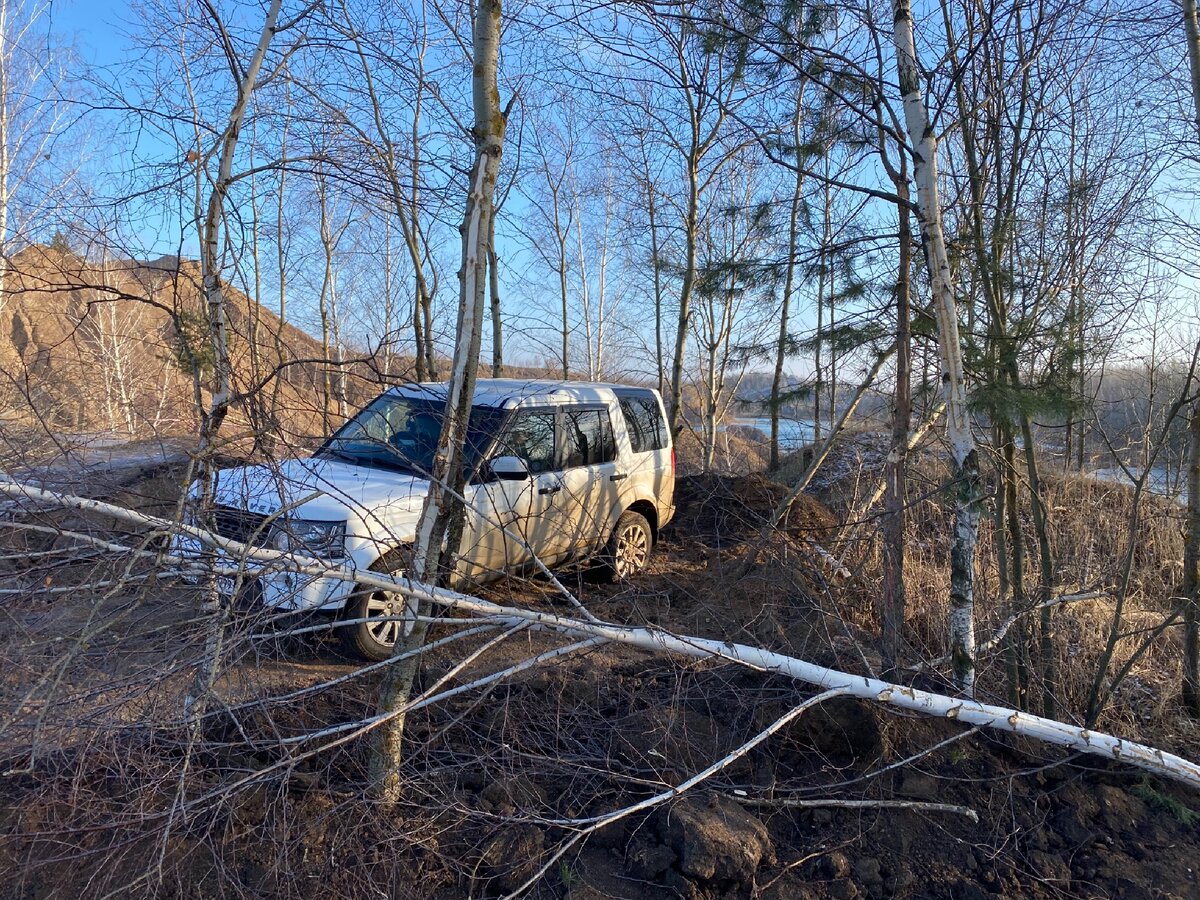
557, 470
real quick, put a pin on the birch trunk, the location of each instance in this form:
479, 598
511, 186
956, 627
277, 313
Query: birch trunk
958, 429
1192, 28
440, 527
214, 300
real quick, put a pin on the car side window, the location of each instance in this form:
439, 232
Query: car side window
531, 438
644, 422
587, 438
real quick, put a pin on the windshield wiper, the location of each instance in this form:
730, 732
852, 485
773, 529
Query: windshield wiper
338, 454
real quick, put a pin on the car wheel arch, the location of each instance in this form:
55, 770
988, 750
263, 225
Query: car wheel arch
649, 512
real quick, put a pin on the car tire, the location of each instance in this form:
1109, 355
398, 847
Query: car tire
375, 641
628, 547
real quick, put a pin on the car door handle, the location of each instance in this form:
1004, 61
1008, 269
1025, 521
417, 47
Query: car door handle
550, 490
620, 477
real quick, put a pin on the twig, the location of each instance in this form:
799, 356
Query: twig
858, 516
908, 760
914, 805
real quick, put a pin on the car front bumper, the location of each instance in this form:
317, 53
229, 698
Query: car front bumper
273, 585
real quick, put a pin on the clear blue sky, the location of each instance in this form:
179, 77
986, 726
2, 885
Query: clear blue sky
96, 27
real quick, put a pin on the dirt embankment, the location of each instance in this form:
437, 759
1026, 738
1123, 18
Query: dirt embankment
103, 792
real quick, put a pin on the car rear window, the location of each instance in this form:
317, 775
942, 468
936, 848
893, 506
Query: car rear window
644, 422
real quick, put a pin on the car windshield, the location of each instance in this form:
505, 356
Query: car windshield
396, 432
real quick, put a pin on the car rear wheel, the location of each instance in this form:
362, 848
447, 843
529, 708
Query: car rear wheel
628, 548
376, 617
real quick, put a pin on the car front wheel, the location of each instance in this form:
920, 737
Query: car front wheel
628, 548
376, 617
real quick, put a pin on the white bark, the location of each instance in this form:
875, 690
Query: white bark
965, 710
214, 298
439, 530
1192, 29
958, 423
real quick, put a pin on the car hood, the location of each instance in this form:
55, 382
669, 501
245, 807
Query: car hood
319, 488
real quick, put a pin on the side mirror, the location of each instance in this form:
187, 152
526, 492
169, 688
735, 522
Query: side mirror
509, 468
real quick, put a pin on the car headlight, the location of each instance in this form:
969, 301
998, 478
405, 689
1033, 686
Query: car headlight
307, 537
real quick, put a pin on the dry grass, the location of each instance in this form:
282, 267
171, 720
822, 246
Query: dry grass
739, 451
1092, 530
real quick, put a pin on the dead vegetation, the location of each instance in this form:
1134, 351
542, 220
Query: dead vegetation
105, 793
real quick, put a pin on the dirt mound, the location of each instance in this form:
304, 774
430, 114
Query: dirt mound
739, 451
719, 509
111, 347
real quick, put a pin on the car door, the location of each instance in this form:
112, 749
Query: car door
590, 478
509, 516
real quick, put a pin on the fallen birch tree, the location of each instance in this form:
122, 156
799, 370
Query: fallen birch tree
966, 710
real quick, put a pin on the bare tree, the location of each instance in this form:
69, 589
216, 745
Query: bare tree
246, 79
403, 183
441, 525
557, 212
112, 329
1191, 561
730, 296
34, 169
961, 438
333, 375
